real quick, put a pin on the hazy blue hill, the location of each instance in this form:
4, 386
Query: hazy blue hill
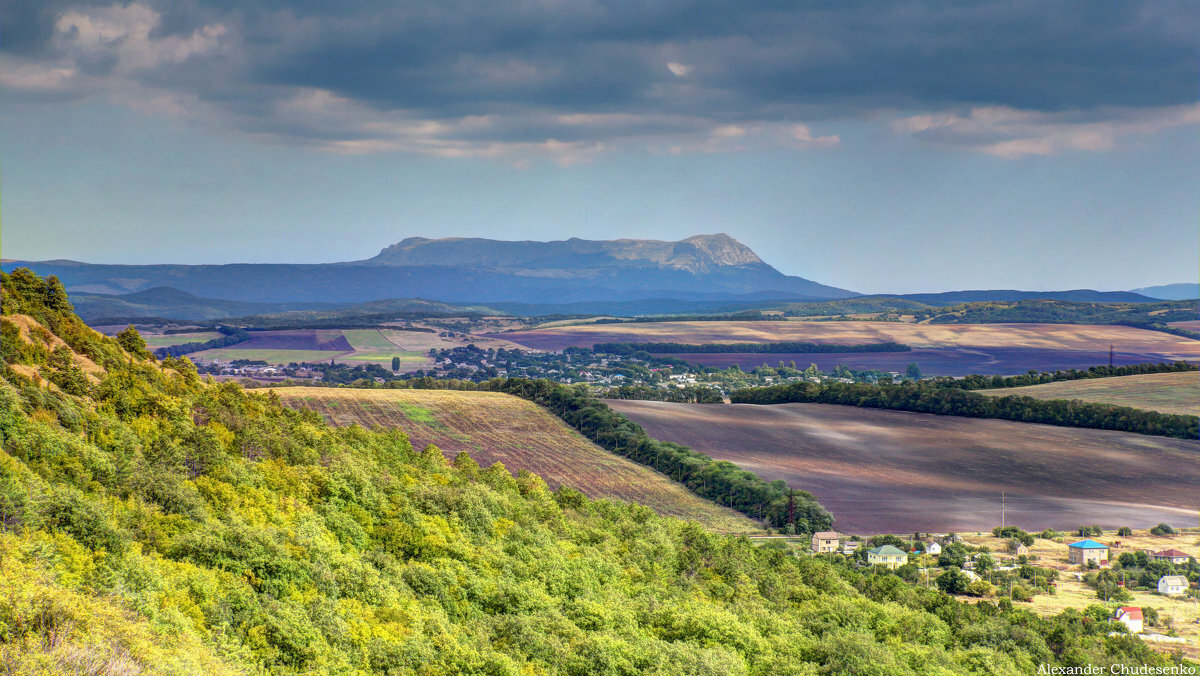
1183, 291
1074, 295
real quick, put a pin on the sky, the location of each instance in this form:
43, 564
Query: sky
879, 147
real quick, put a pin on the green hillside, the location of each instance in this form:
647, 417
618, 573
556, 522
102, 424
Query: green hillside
156, 524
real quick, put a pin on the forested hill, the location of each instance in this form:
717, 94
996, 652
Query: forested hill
156, 524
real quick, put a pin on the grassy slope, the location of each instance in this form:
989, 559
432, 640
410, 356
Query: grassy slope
495, 427
1166, 392
193, 528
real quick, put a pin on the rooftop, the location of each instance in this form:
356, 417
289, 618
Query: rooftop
886, 550
1087, 544
1173, 553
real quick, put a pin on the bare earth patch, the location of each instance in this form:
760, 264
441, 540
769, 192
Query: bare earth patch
897, 472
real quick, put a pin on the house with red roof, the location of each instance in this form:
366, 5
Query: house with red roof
1131, 617
1175, 556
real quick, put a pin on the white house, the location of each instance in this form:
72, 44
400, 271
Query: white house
1173, 585
933, 548
1131, 617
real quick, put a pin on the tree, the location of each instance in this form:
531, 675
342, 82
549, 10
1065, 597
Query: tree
131, 341
953, 581
395, 363
912, 371
1124, 531
1163, 529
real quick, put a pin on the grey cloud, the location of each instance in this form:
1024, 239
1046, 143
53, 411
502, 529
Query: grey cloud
526, 65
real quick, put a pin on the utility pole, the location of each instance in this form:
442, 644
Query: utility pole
1110, 355
1002, 523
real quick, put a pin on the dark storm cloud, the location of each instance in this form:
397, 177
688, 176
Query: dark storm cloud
666, 65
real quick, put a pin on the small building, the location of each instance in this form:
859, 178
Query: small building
825, 541
933, 548
1087, 551
1131, 617
850, 547
1172, 585
1021, 550
887, 555
1174, 556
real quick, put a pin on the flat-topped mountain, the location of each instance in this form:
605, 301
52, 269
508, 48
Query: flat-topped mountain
698, 254
475, 270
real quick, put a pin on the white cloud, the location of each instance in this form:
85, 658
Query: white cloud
678, 69
1011, 133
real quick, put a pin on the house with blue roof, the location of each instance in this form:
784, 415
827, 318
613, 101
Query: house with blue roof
1087, 551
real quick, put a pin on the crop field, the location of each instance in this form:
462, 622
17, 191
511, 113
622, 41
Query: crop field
1191, 325
1167, 392
268, 355
939, 349
1182, 613
950, 361
896, 472
376, 346
156, 340
494, 427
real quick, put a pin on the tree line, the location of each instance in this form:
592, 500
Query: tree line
984, 382
932, 397
757, 348
229, 337
719, 481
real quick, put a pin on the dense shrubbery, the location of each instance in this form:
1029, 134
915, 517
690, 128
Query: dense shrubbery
932, 397
161, 525
766, 348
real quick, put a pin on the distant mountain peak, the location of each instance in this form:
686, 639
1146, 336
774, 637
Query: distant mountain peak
699, 253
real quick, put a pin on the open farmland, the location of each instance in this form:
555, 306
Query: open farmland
939, 349
376, 346
1166, 392
896, 472
157, 340
494, 427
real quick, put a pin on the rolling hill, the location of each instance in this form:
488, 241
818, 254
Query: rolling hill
1177, 393
494, 427
899, 472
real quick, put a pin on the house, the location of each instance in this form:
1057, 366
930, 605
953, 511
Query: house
887, 555
1131, 617
933, 548
1173, 555
825, 541
850, 547
1172, 585
1087, 551
1021, 550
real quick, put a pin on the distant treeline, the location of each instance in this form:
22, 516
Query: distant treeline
229, 337
757, 348
936, 398
980, 382
691, 394
717, 480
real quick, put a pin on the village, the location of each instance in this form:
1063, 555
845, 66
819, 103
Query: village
1144, 581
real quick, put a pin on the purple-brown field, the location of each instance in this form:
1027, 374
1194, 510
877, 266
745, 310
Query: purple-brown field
891, 471
939, 349
301, 339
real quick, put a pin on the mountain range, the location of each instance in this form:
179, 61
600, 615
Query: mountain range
704, 267
623, 277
